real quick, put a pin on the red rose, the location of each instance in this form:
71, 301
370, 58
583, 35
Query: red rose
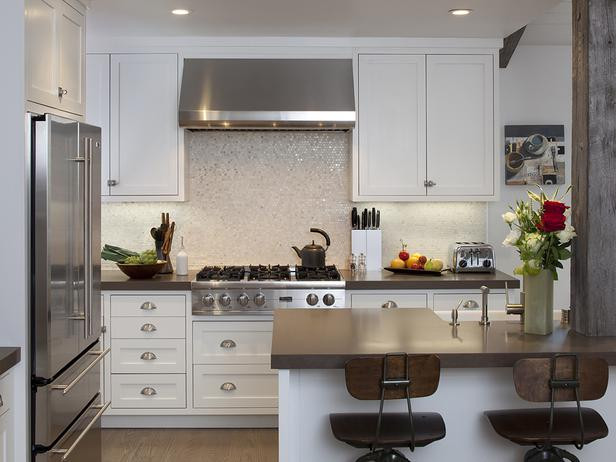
554, 207
551, 222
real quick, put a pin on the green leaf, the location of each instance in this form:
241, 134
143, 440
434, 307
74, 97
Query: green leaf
564, 254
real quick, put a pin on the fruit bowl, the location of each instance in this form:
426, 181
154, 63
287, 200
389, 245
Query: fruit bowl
142, 271
413, 271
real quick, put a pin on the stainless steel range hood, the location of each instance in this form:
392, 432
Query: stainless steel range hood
267, 94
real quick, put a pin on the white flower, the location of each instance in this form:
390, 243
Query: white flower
567, 213
512, 238
566, 234
533, 242
509, 217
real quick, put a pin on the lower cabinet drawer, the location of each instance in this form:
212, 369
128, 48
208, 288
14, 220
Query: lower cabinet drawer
470, 301
232, 342
148, 305
235, 386
400, 300
159, 356
153, 327
148, 391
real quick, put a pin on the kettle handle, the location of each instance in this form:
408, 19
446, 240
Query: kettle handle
322, 233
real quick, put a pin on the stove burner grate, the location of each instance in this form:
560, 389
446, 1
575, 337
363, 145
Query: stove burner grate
217, 273
327, 273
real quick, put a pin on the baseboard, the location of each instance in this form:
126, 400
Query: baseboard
191, 421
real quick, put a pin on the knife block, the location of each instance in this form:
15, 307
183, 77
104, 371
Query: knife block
370, 243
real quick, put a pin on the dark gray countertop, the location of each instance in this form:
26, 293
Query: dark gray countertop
117, 280
9, 356
372, 280
327, 339
381, 280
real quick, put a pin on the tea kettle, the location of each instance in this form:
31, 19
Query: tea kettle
313, 255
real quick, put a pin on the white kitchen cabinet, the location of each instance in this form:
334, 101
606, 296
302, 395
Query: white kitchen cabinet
395, 299
144, 158
6, 418
97, 109
392, 125
55, 55
426, 127
460, 122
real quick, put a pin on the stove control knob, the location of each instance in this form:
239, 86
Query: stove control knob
259, 299
224, 300
207, 300
312, 299
243, 299
329, 299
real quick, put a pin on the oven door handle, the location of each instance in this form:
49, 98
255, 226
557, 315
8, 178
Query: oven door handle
99, 357
66, 453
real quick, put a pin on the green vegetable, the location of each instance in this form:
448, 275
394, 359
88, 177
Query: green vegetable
128, 257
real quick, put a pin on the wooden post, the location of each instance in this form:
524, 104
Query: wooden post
593, 268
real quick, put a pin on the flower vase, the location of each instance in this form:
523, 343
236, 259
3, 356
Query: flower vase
539, 303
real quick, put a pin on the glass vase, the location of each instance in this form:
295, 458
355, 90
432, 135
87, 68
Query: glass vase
539, 303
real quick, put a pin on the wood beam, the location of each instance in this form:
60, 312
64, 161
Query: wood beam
510, 43
593, 266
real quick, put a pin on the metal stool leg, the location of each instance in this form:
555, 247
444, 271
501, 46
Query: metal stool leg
549, 454
384, 455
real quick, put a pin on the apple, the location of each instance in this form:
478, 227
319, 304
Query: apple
423, 259
437, 264
416, 254
397, 263
412, 261
415, 266
403, 255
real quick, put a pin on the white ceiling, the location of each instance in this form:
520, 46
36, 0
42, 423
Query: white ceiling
551, 28
321, 18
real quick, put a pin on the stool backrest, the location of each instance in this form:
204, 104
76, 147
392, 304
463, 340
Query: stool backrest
536, 378
364, 376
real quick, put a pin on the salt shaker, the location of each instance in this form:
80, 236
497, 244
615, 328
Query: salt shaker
181, 261
361, 266
353, 263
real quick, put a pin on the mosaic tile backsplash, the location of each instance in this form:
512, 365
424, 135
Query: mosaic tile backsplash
252, 195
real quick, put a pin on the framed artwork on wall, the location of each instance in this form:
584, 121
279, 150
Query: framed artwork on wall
534, 154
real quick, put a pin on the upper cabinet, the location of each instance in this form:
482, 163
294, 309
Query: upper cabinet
426, 128
134, 99
55, 55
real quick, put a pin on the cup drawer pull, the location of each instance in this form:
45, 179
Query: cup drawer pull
1, 402
470, 305
228, 344
148, 306
148, 327
148, 356
228, 386
148, 391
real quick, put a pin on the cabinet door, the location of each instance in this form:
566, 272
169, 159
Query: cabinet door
460, 142
392, 125
144, 127
41, 69
71, 56
97, 107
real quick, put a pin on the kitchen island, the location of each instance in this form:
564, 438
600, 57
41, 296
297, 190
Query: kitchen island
310, 348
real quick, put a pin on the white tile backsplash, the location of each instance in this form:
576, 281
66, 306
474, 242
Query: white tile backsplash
252, 195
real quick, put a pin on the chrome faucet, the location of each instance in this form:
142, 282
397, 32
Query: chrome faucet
484, 306
514, 308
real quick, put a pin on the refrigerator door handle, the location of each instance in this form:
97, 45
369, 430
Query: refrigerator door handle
99, 357
66, 453
88, 235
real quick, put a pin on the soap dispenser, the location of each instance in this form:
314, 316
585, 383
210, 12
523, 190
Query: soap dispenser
181, 261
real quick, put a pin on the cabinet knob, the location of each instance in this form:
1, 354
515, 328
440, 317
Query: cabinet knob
470, 305
62, 92
148, 356
228, 344
228, 386
429, 183
389, 304
148, 328
148, 306
112, 182
148, 391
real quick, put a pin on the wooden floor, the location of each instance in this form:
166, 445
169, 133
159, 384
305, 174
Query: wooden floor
194, 445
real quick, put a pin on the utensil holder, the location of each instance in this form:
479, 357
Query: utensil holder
370, 243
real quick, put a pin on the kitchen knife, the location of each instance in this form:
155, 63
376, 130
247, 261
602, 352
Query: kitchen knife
354, 224
378, 219
373, 218
369, 219
364, 218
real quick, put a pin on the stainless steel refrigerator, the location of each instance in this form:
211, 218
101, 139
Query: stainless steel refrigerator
65, 295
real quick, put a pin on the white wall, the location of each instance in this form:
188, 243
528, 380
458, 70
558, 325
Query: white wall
13, 306
535, 89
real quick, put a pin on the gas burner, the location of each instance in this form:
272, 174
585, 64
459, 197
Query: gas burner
226, 273
269, 273
327, 273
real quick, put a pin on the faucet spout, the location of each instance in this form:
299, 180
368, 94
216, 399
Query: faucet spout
484, 306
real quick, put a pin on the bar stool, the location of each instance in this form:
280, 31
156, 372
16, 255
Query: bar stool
562, 378
393, 376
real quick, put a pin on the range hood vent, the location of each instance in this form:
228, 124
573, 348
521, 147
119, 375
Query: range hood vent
267, 94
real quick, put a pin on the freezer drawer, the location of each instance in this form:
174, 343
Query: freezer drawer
82, 442
235, 386
156, 356
232, 342
148, 391
58, 403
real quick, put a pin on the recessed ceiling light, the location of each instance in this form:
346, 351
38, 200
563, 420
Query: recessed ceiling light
180, 12
460, 11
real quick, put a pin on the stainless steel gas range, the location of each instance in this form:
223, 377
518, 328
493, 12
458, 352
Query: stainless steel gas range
249, 290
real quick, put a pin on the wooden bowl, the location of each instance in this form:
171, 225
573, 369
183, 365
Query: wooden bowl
141, 271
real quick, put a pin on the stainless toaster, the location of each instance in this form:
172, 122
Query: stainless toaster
472, 257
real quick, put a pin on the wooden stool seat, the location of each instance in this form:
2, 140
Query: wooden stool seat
529, 427
359, 430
